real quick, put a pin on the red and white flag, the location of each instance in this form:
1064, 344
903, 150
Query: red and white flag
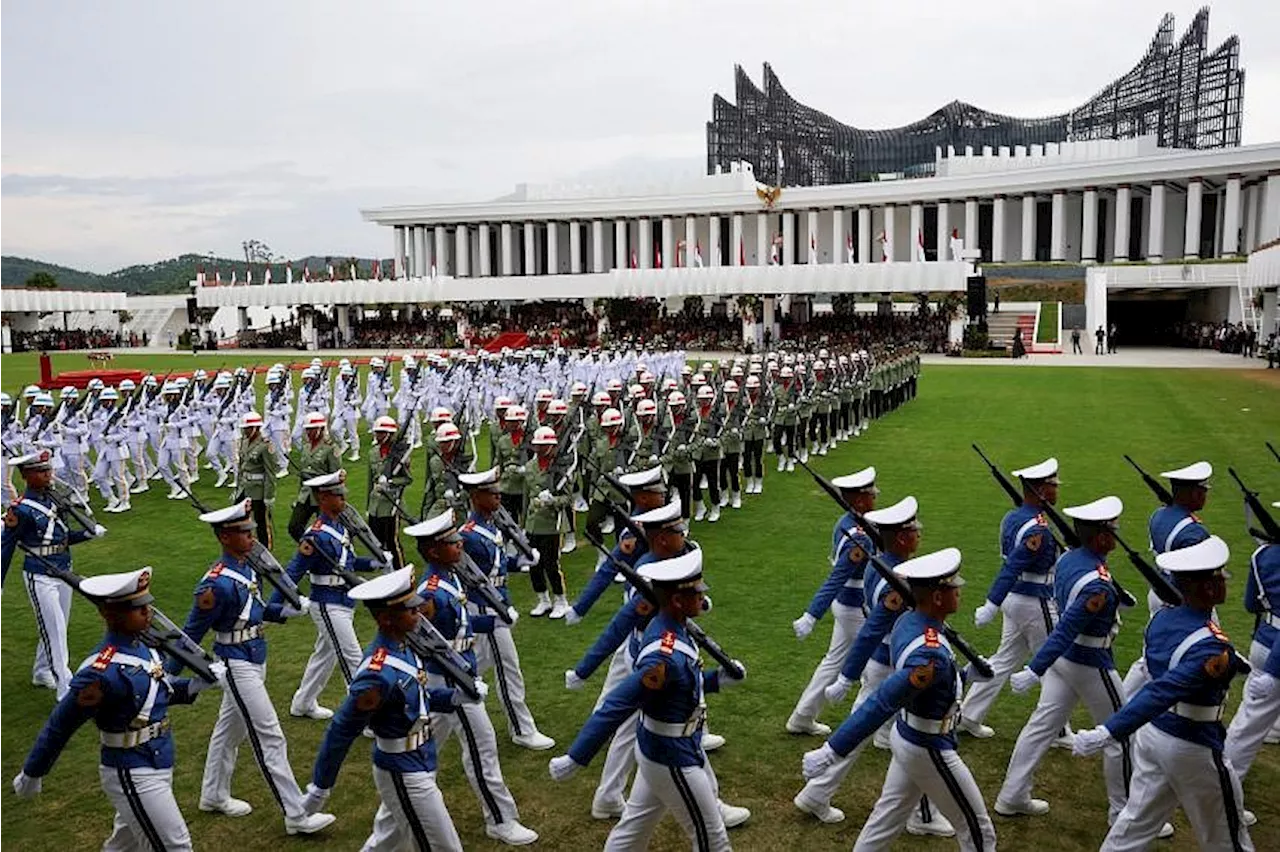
635, 263
234, 276
248, 275
217, 276
200, 276
288, 273
266, 276
813, 249
774, 249
306, 271
919, 244
353, 272
848, 245
657, 257
333, 274
697, 255
377, 270
742, 252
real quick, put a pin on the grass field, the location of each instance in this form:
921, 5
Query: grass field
764, 563
1047, 330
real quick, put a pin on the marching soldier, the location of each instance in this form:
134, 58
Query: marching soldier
228, 602
547, 479
318, 455
785, 398
755, 430
444, 464
256, 474
387, 489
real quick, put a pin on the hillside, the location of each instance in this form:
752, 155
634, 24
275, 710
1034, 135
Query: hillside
165, 276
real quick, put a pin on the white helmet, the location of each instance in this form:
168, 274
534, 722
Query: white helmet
385, 424
516, 412
545, 436
314, 420
557, 407
128, 385
447, 432
578, 389
636, 391
440, 414
646, 408
753, 381
610, 417
543, 396
69, 392
252, 419
601, 399
675, 398
503, 402
706, 392
730, 386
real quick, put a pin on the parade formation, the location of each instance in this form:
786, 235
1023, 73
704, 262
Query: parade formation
528, 455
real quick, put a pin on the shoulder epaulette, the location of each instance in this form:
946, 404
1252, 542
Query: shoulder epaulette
104, 657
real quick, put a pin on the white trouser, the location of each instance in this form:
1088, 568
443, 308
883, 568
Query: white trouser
1137, 676
846, 622
1168, 772
74, 472
138, 452
1253, 720
344, 426
51, 603
497, 650
412, 814
479, 748
1066, 684
336, 644
620, 758
688, 792
246, 711
1026, 622
108, 476
147, 815
940, 775
280, 440
172, 465
218, 452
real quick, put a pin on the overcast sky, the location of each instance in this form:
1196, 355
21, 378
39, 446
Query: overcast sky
137, 131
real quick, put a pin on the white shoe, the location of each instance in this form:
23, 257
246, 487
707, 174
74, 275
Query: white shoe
221, 480
155, 475
140, 488
606, 526
570, 543
710, 741
309, 824
714, 515
112, 505
511, 833
282, 473
230, 807
580, 504
881, 741
822, 451
824, 813
810, 727
791, 465
1031, 807
313, 712
536, 741
1271, 739
976, 729
560, 608
177, 494
733, 815
45, 681
701, 513
125, 506
196, 477
1248, 817
939, 826
354, 457
782, 463
607, 810
724, 499
1166, 831
736, 502
759, 484
542, 607
804, 456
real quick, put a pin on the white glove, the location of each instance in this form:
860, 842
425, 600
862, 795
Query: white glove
1022, 681
199, 684
562, 767
304, 607
513, 615
572, 681
382, 481
448, 495
1092, 741
706, 603
1260, 686
26, 786
315, 799
571, 617
814, 762
682, 448
388, 560
524, 563
803, 626
98, 531
727, 680
837, 691
460, 697
985, 614
545, 496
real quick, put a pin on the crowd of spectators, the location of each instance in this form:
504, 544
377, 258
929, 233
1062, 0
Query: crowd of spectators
566, 323
394, 330
62, 340
862, 331
1230, 338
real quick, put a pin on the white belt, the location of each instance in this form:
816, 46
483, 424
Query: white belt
498, 580
327, 580
399, 745
929, 726
130, 739
1272, 619
463, 643
1026, 577
674, 729
853, 584
254, 477
1198, 712
48, 549
1094, 641
235, 637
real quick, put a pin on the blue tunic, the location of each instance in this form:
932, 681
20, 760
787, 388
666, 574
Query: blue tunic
482, 542
33, 521
331, 537
850, 547
628, 550
1262, 598
1088, 602
445, 605
872, 641
224, 603
1029, 551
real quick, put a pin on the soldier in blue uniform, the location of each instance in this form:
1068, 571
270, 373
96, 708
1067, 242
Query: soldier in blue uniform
390, 696
842, 594
1174, 723
1022, 593
445, 606
667, 687
35, 522
484, 543
1171, 527
923, 692
228, 602
123, 688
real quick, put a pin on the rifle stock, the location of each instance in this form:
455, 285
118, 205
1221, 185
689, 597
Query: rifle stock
1163, 589
1270, 528
1157, 487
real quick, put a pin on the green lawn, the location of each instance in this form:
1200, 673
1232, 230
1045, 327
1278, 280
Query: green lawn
764, 563
1047, 330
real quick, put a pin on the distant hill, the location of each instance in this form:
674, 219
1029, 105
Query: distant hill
170, 276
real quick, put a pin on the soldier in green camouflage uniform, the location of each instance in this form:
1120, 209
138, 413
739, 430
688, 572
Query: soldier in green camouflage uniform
731, 443
507, 458
317, 455
547, 480
678, 450
707, 454
256, 474
443, 490
785, 417
389, 476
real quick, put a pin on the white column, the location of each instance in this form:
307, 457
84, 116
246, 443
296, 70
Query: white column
669, 243
864, 235
1029, 227
644, 251
553, 248
1121, 251
530, 249
424, 256
788, 238
944, 230
575, 247
691, 241
811, 239
763, 238
508, 256
1271, 209
620, 258
1155, 226
1058, 226
461, 251
1089, 226
711, 251
1231, 218
971, 223
738, 249
839, 247
917, 232
442, 250
597, 245
997, 230
486, 259
398, 246
1191, 238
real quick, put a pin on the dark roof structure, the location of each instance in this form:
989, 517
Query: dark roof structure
1179, 92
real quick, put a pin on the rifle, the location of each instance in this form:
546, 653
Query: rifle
1270, 531
645, 589
1273, 451
1162, 587
162, 634
979, 662
1016, 497
507, 524
1157, 487
71, 510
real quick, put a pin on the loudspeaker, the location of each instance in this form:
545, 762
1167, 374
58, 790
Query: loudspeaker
977, 292
191, 310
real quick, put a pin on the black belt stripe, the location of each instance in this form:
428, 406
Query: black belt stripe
333, 640
1048, 616
700, 838
1114, 695
44, 631
139, 812
253, 737
1228, 801
926, 812
473, 748
410, 815
500, 674
957, 793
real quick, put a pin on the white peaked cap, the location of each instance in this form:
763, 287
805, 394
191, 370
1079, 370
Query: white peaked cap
899, 514
1102, 510
1208, 555
1198, 473
1043, 470
854, 481
938, 565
